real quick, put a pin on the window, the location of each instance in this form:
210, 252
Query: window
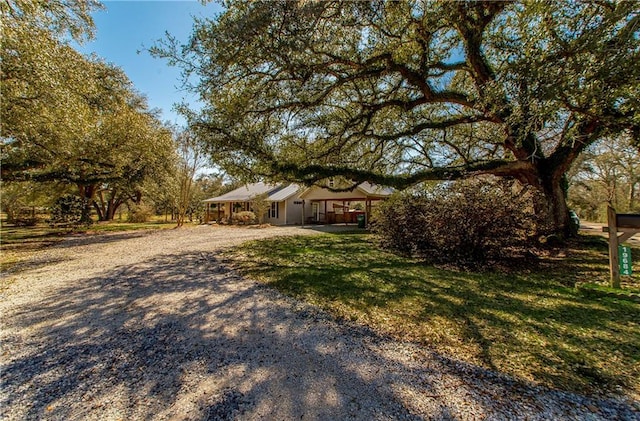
332, 182
273, 210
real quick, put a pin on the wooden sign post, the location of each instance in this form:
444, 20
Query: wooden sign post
627, 225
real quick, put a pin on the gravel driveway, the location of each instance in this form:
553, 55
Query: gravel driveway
154, 326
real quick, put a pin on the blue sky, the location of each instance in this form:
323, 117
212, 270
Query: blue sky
125, 28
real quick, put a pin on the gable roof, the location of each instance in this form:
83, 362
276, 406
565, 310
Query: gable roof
275, 193
283, 193
362, 190
375, 190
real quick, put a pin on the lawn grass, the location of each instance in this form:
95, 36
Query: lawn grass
18, 242
531, 323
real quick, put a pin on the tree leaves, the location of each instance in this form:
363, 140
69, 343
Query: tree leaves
66, 117
408, 91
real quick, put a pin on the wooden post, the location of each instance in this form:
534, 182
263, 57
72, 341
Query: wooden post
613, 247
366, 212
325, 212
344, 214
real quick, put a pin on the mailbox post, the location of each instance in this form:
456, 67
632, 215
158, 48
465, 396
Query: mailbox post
627, 225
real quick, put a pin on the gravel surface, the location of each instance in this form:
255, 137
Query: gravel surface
155, 326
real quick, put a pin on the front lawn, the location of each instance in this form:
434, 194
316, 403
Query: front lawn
530, 323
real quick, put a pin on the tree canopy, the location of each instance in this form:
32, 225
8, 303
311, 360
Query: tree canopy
59, 18
70, 118
397, 93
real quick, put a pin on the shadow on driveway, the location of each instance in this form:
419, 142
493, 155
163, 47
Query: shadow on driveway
182, 337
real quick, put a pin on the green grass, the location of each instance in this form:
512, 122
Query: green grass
532, 324
632, 293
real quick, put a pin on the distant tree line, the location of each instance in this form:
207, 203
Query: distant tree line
75, 125
608, 173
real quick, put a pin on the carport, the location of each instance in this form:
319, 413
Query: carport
329, 207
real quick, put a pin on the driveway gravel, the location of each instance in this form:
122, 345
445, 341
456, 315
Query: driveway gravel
156, 326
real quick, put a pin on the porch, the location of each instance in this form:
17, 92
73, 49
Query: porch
347, 211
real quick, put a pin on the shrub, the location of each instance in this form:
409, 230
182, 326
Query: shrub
67, 209
260, 206
24, 221
140, 213
24, 216
244, 217
464, 223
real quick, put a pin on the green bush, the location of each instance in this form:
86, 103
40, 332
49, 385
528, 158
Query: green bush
67, 209
24, 217
244, 217
140, 213
25, 221
463, 223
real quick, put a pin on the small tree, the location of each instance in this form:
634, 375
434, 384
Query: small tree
191, 159
140, 213
260, 206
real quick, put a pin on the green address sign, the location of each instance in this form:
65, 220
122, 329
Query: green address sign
624, 253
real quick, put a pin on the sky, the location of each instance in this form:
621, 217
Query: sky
124, 29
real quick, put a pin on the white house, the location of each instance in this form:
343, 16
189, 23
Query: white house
286, 207
294, 205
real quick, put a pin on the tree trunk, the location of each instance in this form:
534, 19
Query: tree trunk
87, 193
107, 209
112, 207
10, 214
115, 201
554, 206
100, 206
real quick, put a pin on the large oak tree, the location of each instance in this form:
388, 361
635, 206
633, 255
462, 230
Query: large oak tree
397, 93
69, 118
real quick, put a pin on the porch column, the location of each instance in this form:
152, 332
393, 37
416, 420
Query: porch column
344, 214
325, 211
366, 211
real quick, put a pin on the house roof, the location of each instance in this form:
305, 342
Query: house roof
275, 193
283, 193
364, 190
375, 190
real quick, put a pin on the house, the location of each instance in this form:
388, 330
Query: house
285, 209
292, 204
